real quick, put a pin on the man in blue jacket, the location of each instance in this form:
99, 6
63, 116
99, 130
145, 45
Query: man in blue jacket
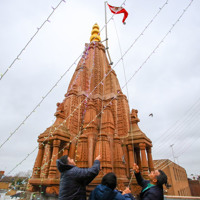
152, 189
73, 180
106, 190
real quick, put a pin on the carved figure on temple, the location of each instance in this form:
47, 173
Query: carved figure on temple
60, 107
73, 179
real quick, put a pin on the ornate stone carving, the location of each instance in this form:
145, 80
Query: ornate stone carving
94, 118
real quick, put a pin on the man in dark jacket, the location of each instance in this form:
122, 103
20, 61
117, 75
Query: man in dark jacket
73, 180
106, 190
152, 189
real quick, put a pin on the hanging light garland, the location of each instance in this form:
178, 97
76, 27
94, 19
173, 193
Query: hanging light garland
86, 100
115, 96
43, 98
34, 35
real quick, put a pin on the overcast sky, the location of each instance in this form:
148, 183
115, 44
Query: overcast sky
168, 85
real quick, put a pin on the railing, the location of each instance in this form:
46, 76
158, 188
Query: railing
180, 197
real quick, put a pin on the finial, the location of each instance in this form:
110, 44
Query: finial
95, 34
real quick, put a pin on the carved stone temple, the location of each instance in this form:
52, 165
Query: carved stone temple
94, 118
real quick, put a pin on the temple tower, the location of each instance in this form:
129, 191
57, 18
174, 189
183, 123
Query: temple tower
94, 118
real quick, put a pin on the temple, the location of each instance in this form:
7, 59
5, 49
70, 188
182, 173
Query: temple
94, 118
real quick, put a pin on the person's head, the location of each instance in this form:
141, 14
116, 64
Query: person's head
67, 160
158, 177
110, 180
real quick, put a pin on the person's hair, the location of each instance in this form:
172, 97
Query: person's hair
162, 178
64, 159
110, 180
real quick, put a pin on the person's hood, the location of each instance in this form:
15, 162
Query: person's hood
62, 166
103, 192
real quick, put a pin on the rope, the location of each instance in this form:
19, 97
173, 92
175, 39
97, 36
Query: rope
129, 116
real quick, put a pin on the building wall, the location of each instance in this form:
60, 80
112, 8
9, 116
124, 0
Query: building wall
194, 187
4, 186
177, 178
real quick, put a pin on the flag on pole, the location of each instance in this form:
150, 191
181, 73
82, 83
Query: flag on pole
119, 10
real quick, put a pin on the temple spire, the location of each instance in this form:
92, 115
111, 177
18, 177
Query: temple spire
95, 34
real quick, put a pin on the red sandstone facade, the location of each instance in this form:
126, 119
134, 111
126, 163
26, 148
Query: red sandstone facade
177, 177
94, 118
194, 187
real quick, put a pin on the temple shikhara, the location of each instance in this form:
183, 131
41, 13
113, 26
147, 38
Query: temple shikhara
94, 118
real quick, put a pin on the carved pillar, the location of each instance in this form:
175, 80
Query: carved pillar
90, 149
126, 159
138, 158
82, 153
119, 159
53, 168
103, 148
66, 149
46, 161
110, 138
90, 129
144, 159
107, 127
131, 155
72, 149
38, 161
150, 160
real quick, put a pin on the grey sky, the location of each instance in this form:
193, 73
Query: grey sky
167, 85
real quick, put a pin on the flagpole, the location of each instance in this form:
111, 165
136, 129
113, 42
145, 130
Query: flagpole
107, 34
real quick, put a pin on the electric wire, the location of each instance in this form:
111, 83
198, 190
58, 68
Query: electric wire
187, 114
174, 139
184, 148
182, 128
183, 140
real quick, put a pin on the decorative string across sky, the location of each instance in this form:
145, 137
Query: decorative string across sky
77, 136
121, 59
34, 35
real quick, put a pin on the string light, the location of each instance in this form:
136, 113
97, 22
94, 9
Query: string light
38, 105
38, 29
125, 83
34, 35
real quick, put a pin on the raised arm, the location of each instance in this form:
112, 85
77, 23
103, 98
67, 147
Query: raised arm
127, 194
87, 175
138, 176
